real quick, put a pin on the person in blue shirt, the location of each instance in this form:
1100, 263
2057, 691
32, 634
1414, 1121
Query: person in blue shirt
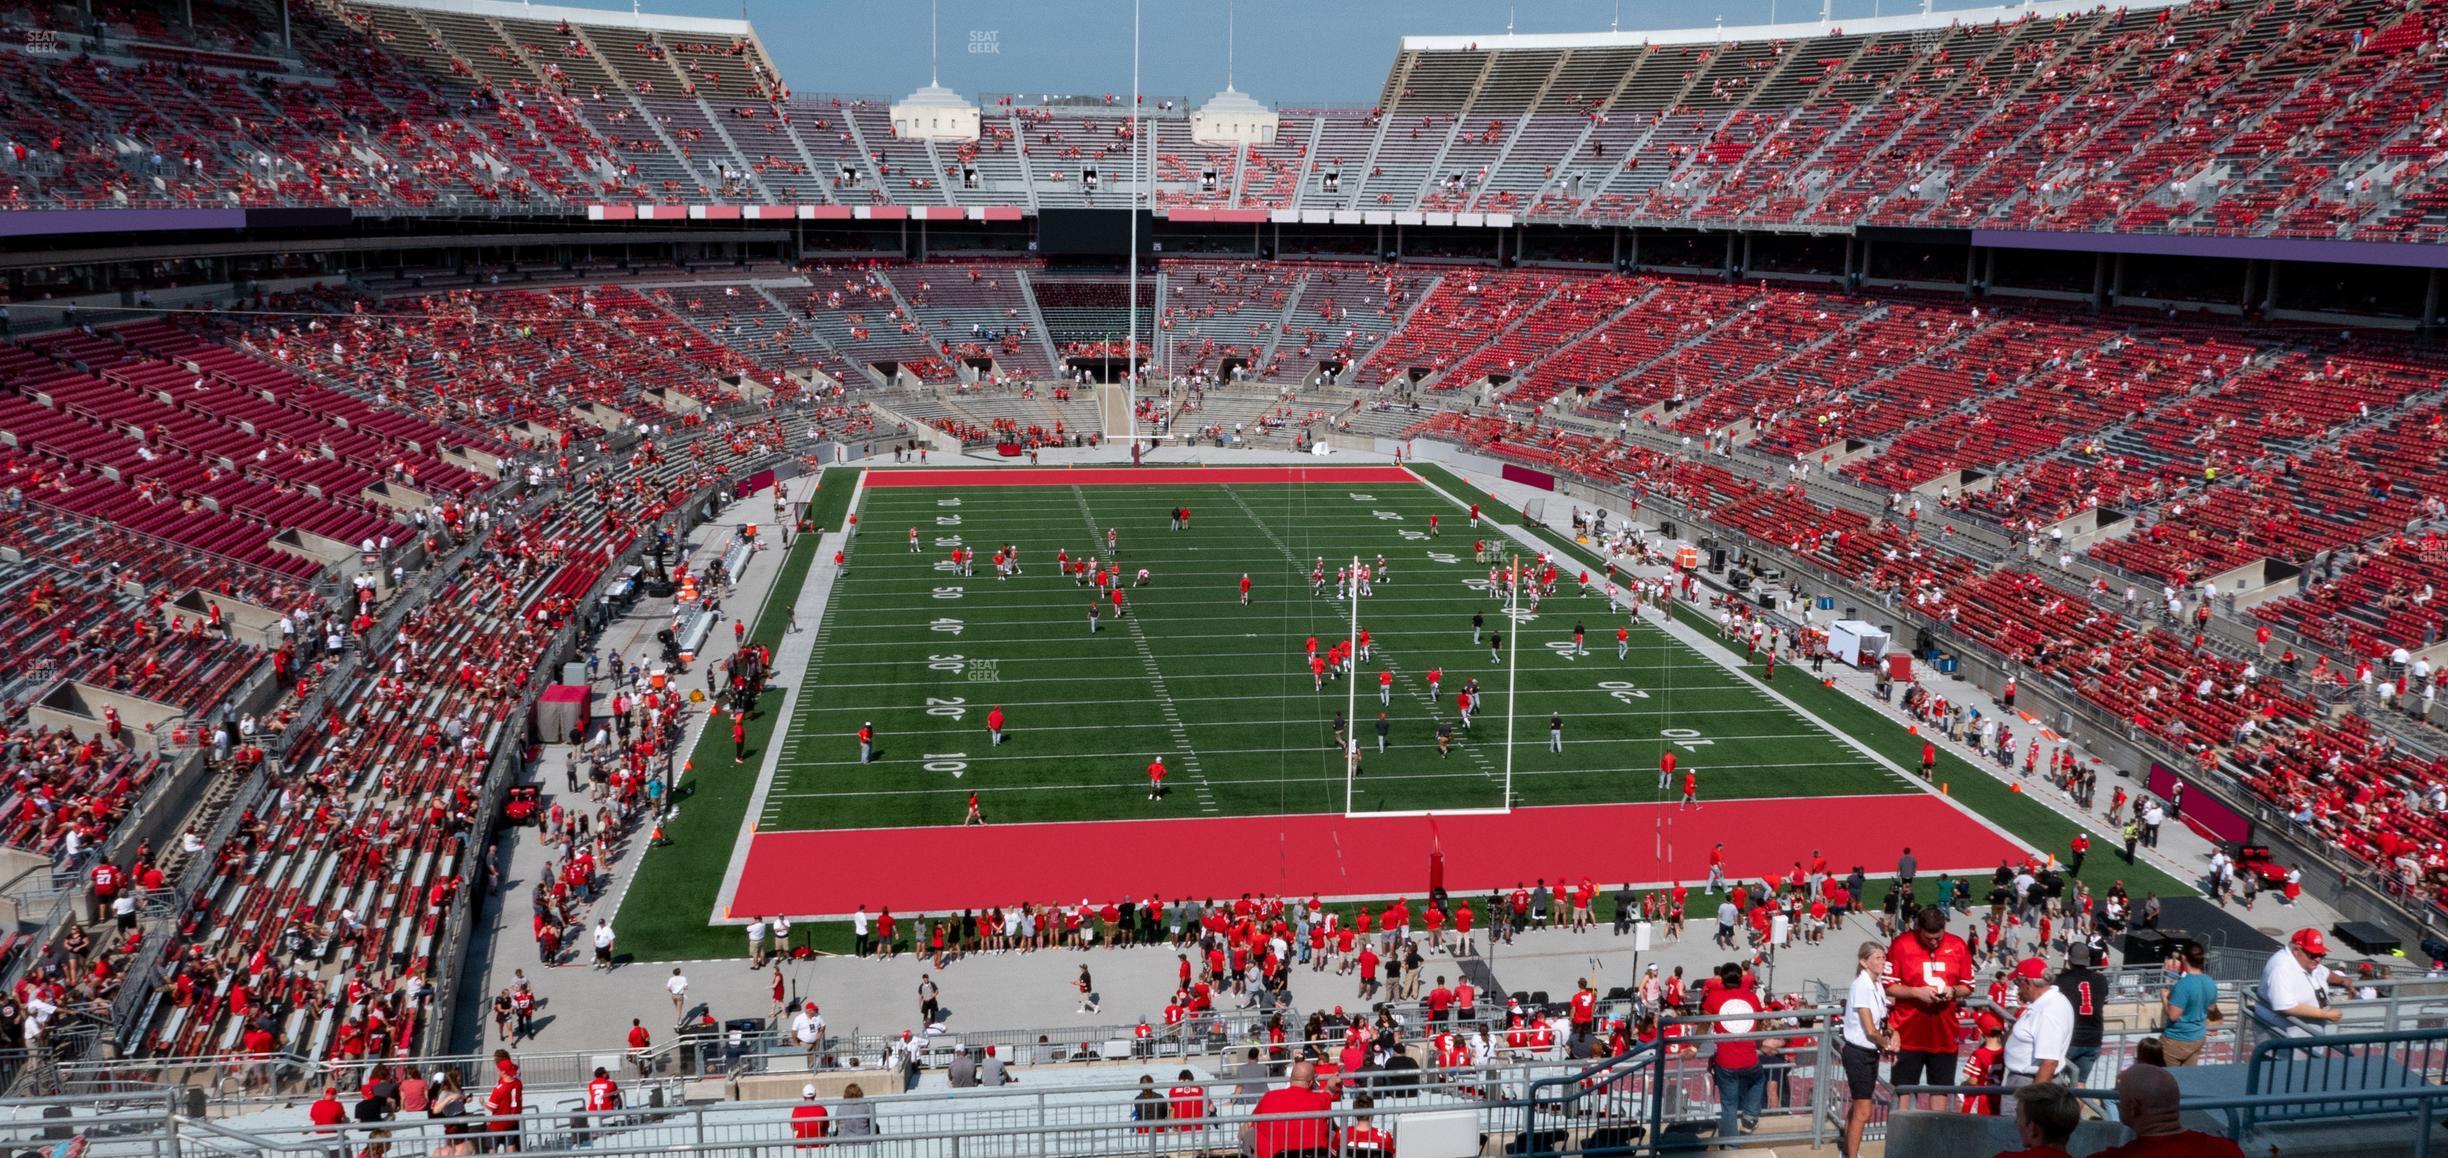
2191, 998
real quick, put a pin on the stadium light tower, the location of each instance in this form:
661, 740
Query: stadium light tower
1130, 338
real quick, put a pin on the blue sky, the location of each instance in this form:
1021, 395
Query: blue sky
879, 48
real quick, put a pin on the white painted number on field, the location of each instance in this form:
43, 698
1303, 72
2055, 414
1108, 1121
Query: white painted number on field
947, 593
1410, 534
952, 762
1442, 557
947, 520
1361, 498
948, 565
1685, 738
947, 502
1622, 690
956, 664
1387, 516
951, 709
946, 626
948, 541
1520, 614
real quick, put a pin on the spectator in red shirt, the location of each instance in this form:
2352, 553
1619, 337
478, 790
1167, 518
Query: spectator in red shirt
504, 1105
1928, 974
1312, 1137
327, 1111
1741, 1084
2147, 1102
808, 1120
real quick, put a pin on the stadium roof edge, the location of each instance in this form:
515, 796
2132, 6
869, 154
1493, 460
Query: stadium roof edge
1500, 41
586, 17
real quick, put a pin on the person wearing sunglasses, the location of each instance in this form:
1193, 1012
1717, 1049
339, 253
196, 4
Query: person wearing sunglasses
2295, 988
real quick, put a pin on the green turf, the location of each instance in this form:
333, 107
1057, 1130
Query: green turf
2033, 822
1222, 691
1034, 628
663, 915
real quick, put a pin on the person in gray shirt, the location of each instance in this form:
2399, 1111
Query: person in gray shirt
963, 1072
1249, 1078
854, 1117
991, 1072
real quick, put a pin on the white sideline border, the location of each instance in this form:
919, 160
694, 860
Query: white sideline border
809, 606
1708, 648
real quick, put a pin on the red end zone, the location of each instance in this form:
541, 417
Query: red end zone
1049, 476
924, 870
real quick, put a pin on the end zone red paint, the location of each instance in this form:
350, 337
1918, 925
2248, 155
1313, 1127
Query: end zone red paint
832, 873
1047, 476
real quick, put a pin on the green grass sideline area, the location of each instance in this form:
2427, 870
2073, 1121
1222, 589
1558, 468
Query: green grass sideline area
663, 914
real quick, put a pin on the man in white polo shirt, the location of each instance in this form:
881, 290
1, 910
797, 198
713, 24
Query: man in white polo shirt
2036, 1046
2295, 988
808, 1029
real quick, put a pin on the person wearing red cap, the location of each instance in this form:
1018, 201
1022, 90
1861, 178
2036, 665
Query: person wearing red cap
1985, 1067
327, 1111
505, 1104
2295, 988
2036, 1047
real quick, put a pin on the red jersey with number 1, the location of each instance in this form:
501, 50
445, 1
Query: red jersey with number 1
1925, 1026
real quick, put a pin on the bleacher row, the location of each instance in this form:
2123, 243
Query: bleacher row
2265, 117
364, 855
335, 415
2230, 446
2291, 749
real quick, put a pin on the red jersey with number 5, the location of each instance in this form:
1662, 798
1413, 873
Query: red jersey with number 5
1926, 1026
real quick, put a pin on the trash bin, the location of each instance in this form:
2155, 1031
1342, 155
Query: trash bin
1825, 603
697, 1046
740, 1040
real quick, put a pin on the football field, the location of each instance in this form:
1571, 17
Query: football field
1257, 796
1222, 692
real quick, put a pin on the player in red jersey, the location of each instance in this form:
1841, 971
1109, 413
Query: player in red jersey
1156, 775
1928, 974
1987, 1066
